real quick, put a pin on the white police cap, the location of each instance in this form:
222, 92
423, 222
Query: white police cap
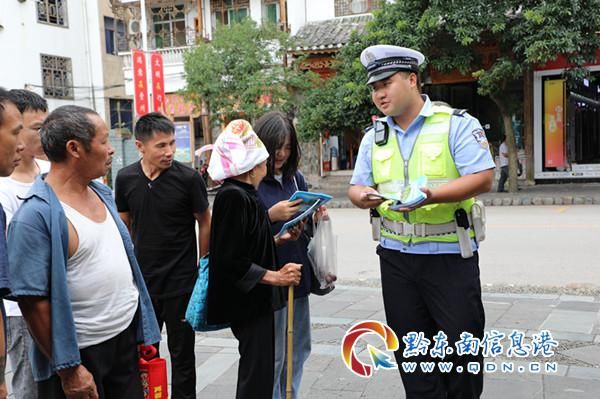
382, 61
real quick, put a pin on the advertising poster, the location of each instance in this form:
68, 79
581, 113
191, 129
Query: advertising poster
554, 123
183, 142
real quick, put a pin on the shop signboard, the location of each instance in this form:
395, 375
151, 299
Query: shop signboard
184, 141
554, 123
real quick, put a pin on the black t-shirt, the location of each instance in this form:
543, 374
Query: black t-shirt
162, 219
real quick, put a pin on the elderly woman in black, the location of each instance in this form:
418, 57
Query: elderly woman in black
245, 287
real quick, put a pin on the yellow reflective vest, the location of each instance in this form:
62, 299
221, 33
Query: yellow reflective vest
430, 157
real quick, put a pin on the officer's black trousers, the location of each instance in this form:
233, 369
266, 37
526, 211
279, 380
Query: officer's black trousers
431, 293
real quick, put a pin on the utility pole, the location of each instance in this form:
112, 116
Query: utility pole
200, 25
144, 31
283, 15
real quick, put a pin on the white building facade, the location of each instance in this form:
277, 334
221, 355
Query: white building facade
52, 47
174, 26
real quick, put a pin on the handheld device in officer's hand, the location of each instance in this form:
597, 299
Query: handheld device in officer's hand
412, 196
462, 231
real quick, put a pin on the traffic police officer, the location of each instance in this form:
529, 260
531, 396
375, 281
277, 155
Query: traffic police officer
428, 254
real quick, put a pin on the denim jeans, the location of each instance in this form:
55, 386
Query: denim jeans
301, 347
18, 343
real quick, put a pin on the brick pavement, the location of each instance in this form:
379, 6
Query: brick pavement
574, 322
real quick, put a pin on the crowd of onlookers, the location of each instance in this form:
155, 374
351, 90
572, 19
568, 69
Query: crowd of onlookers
88, 273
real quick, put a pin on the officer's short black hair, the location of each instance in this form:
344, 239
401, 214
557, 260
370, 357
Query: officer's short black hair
273, 128
417, 74
406, 74
152, 123
26, 100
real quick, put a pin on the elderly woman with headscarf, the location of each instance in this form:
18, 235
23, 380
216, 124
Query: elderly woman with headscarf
245, 287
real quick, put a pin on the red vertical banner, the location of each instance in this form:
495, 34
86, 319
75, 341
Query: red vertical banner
158, 82
140, 83
554, 126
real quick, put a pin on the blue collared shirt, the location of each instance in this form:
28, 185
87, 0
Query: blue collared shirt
470, 152
4, 286
38, 240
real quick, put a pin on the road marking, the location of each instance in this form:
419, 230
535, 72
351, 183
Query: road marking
496, 303
562, 209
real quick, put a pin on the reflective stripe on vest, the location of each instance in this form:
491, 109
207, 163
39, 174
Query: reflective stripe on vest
431, 157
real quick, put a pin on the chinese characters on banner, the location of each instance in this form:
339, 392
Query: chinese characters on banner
140, 83
158, 82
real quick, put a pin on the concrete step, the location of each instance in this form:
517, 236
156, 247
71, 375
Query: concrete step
333, 184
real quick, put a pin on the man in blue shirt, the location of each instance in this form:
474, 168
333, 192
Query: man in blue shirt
34, 110
11, 123
427, 285
73, 270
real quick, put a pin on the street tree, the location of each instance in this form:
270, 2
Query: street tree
451, 34
242, 72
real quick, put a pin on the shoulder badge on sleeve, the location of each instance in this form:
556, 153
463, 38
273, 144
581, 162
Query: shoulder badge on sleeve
480, 138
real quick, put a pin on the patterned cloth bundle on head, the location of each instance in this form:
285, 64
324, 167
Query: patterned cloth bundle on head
236, 151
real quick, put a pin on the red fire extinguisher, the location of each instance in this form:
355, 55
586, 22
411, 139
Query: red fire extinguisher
153, 372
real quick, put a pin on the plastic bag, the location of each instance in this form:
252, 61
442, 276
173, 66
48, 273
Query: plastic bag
197, 310
322, 253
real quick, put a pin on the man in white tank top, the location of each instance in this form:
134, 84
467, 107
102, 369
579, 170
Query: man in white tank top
108, 301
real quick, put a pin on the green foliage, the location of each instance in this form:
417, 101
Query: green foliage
450, 34
241, 65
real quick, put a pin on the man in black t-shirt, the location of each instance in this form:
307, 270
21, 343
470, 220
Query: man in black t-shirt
161, 200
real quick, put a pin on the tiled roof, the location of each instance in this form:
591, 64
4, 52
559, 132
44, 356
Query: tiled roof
330, 34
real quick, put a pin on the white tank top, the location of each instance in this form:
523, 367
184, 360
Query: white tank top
104, 297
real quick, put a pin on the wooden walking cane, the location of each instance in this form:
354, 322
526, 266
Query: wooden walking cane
290, 342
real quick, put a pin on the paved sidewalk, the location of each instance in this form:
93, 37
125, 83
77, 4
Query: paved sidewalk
547, 194
539, 194
574, 322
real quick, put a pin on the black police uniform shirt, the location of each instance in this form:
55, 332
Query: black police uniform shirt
162, 220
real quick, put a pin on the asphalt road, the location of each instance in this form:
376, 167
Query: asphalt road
557, 246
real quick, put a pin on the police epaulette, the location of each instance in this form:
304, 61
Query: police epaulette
459, 112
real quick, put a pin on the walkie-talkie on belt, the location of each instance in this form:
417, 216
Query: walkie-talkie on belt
462, 232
